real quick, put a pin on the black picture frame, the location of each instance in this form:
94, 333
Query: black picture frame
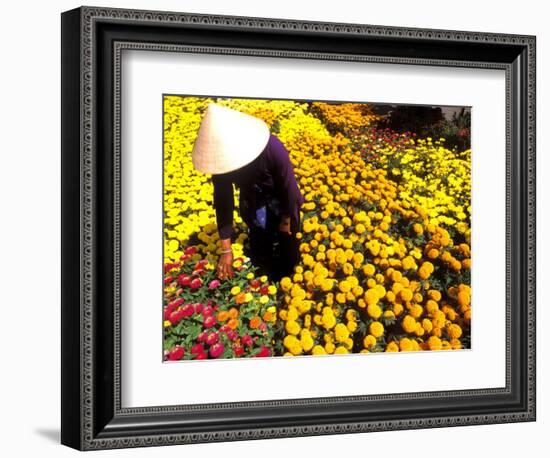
92, 39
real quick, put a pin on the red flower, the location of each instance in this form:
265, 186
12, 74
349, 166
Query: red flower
202, 336
232, 334
176, 353
212, 338
187, 310
264, 290
197, 348
209, 321
190, 250
255, 283
238, 350
176, 303
169, 266
168, 279
207, 311
195, 283
216, 350
198, 307
201, 356
184, 280
246, 340
214, 284
176, 316
264, 352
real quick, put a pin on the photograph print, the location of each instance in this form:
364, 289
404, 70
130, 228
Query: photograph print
314, 228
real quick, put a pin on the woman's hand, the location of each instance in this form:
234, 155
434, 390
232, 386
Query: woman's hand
225, 263
284, 225
225, 266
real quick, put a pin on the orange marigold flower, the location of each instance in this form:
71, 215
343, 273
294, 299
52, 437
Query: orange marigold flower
233, 323
223, 316
255, 322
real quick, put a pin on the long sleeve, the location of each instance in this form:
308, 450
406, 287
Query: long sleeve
224, 205
284, 178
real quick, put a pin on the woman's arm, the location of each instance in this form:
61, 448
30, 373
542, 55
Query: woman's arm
224, 205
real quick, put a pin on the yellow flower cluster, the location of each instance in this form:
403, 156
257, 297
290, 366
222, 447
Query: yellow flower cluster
348, 117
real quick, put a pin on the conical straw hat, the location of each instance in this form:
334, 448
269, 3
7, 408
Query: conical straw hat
228, 140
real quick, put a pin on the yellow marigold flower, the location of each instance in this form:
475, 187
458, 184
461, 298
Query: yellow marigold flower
286, 283
431, 306
433, 253
341, 332
292, 314
396, 275
347, 268
397, 309
427, 325
307, 342
428, 266
419, 330
374, 311
292, 327
408, 324
250, 275
318, 350
272, 289
344, 286
434, 343
328, 320
416, 311
248, 297
369, 341
408, 262
454, 331
329, 347
167, 323
371, 296
406, 294
376, 329
456, 344
423, 273
263, 278
340, 350
368, 269
352, 326
264, 299
392, 347
290, 341
405, 344
235, 290
463, 298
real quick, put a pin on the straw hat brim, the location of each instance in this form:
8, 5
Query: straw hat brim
228, 140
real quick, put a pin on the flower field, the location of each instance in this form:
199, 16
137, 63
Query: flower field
385, 242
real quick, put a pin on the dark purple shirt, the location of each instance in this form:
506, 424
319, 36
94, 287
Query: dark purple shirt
271, 174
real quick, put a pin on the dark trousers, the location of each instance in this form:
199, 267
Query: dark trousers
275, 253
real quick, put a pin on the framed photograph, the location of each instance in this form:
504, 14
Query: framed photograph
276, 228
